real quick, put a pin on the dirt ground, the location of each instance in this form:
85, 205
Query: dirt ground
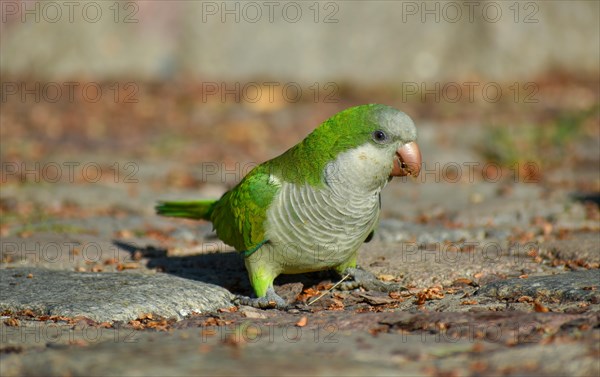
496, 243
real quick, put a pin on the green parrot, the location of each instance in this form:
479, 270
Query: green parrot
312, 207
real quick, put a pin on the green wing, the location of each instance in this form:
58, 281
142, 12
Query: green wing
239, 216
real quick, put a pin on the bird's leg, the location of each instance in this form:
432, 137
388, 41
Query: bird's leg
269, 300
262, 275
367, 280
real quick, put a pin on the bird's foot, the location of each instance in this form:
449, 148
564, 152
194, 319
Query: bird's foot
365, 279
270, 300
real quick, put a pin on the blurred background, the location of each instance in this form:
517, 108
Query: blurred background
108, 106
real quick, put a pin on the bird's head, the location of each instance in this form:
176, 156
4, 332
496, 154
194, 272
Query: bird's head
370, 145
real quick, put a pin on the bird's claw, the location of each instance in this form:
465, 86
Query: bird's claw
348, 285
270, 301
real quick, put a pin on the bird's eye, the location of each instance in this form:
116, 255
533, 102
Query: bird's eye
379, 136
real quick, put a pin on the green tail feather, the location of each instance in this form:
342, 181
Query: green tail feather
200, 209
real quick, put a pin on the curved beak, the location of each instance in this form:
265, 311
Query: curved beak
407, 161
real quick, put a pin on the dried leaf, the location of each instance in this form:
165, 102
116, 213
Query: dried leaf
97, 268
462, 281
538, 307
111, 261
302, 321
12, 322
127, 266
525, 299
386, 277
307, 294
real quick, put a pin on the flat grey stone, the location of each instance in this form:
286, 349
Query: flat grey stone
570, 286
107, 296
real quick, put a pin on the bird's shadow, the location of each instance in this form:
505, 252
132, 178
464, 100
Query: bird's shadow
224, 268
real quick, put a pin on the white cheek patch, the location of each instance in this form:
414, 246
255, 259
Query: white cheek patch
364, 166
369, 159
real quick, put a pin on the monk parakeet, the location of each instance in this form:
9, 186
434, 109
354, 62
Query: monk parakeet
312, 207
